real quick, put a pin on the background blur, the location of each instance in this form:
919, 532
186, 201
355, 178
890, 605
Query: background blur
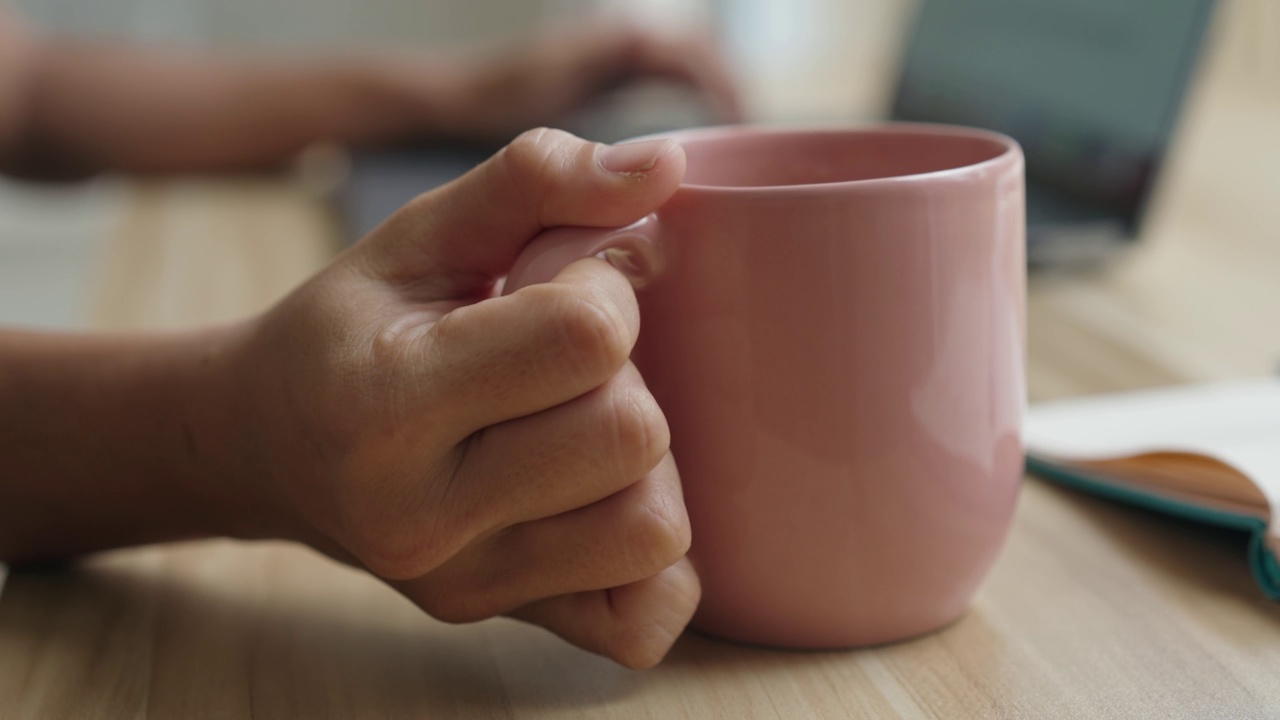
774, 37
796, 58
48, 236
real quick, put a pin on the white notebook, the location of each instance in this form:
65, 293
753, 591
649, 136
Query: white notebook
1209, 453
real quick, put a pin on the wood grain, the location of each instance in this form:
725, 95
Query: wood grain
1094, 610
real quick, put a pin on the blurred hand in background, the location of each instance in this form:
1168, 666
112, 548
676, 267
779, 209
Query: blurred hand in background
552, 74
71, 107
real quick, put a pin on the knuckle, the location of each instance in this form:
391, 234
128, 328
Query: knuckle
450, 331
393, 555
538, 155
404, 522
385, 538
658, 531
387, 369
638, 650
387, 346
593, 328
590, 333
650, 622
641, 436
640, 642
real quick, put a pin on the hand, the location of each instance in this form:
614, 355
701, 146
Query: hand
550, 75
485, 455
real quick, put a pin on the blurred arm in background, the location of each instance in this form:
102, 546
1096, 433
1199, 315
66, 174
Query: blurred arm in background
72, 107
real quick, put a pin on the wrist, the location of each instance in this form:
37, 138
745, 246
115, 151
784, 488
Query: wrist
220, 467
260, 461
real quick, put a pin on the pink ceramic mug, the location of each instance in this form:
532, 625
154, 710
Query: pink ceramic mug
832, 321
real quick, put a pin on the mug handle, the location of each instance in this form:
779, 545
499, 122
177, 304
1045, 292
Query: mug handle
635, 250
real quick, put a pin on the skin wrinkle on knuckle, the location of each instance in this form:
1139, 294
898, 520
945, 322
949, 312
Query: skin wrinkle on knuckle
532, 166
627, 428
389, 373
593, 331
549, 183
660, 526
574, 339
546, 158
510, 168
642, 542
641, 640
642, 437
444, 336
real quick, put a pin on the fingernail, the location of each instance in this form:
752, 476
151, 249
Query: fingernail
632, 158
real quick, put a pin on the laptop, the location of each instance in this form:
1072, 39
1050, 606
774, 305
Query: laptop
1091, 89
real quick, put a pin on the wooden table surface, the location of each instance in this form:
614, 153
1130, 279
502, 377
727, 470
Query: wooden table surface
1094, 610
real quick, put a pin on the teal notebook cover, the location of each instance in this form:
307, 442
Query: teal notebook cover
1262, 562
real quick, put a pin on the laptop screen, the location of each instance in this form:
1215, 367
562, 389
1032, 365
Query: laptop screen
1090, 88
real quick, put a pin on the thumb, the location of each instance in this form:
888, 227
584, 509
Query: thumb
454, 242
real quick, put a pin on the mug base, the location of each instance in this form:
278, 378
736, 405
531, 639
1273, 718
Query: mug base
835, 645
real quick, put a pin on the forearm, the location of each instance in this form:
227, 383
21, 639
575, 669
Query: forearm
108, 441
94, 106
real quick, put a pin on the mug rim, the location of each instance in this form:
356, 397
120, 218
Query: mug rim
1011, 151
